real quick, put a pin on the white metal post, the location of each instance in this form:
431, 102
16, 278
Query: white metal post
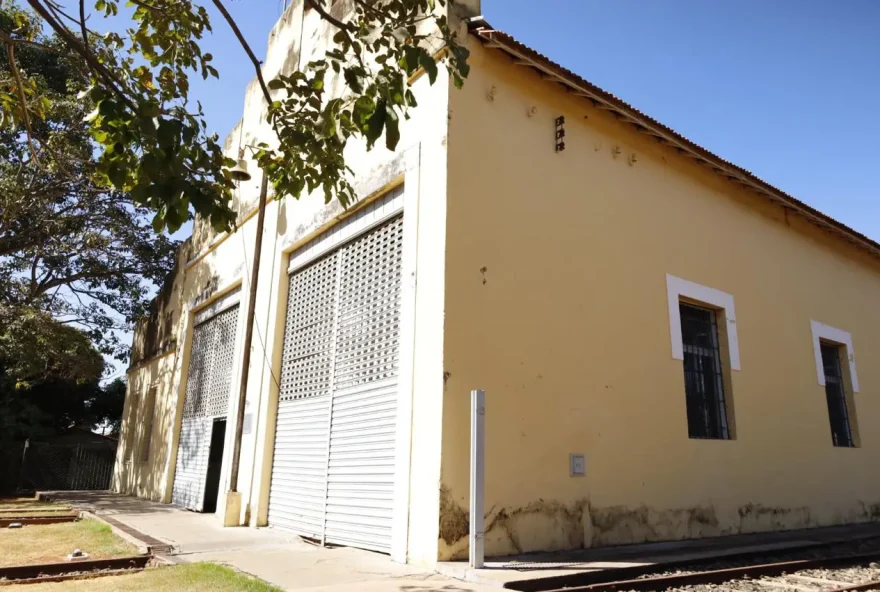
478, 422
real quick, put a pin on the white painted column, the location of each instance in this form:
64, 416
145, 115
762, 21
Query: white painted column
478, 423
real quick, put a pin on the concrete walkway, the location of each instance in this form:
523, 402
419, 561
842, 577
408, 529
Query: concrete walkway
271, 555
293, 564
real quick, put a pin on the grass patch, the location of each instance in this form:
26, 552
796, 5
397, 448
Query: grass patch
191, 577
51, 543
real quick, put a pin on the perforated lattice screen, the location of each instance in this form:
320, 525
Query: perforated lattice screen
308, 339
369, 307
210, 366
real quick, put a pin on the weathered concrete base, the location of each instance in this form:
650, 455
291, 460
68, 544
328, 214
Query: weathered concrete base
232, 509
547, 525
534, 570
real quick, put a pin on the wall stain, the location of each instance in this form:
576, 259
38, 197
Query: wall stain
758, 516
549, 525
454, 520
616, 525
870, 511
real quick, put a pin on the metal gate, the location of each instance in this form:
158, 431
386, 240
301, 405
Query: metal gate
207, 397
333, 468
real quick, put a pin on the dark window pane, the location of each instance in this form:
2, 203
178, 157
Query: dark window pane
703, 378
835, 394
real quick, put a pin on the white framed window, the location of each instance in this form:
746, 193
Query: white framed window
826, 333
679, 289
699, 319
836, 371
837, 395
707, 415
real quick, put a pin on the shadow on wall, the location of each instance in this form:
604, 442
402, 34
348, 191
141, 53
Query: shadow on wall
141, 472
546, 525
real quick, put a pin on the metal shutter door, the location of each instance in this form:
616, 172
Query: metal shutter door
360, 480
299, 464
192, 464
207, 396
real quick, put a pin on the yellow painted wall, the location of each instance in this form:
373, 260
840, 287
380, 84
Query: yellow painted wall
133, 474
567, 330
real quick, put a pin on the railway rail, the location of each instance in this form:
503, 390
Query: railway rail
841, 567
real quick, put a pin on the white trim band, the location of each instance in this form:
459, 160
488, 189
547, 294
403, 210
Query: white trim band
222, 303
828, 333
675, 289
384, 208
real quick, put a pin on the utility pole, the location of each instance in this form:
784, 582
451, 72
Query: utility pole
233, 496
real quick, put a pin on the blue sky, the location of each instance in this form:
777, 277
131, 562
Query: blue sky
789, 89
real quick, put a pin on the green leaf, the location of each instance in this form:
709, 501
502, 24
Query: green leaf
158, 223
354, 80
427, 62
149, 110
410, 59
276, 84
396, 89
328, 126
168, 133
107, 108
375, 124
363, 109
392, 129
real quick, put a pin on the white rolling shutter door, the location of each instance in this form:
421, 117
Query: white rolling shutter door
360, 488
192, 463
299, 465
207, 396
333, 469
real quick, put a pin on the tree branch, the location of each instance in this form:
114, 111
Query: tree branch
372, 9
82, 24
34, 273
46, 286
247, 48
319, 8
150, 7
75, 44
58, 12
21, 97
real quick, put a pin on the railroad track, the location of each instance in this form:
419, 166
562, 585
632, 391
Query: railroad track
820, 580
838, 567
845, 572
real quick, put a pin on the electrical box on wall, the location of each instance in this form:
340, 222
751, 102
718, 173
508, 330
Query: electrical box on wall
577, 465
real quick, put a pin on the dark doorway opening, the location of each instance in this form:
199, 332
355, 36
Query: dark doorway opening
215, 462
